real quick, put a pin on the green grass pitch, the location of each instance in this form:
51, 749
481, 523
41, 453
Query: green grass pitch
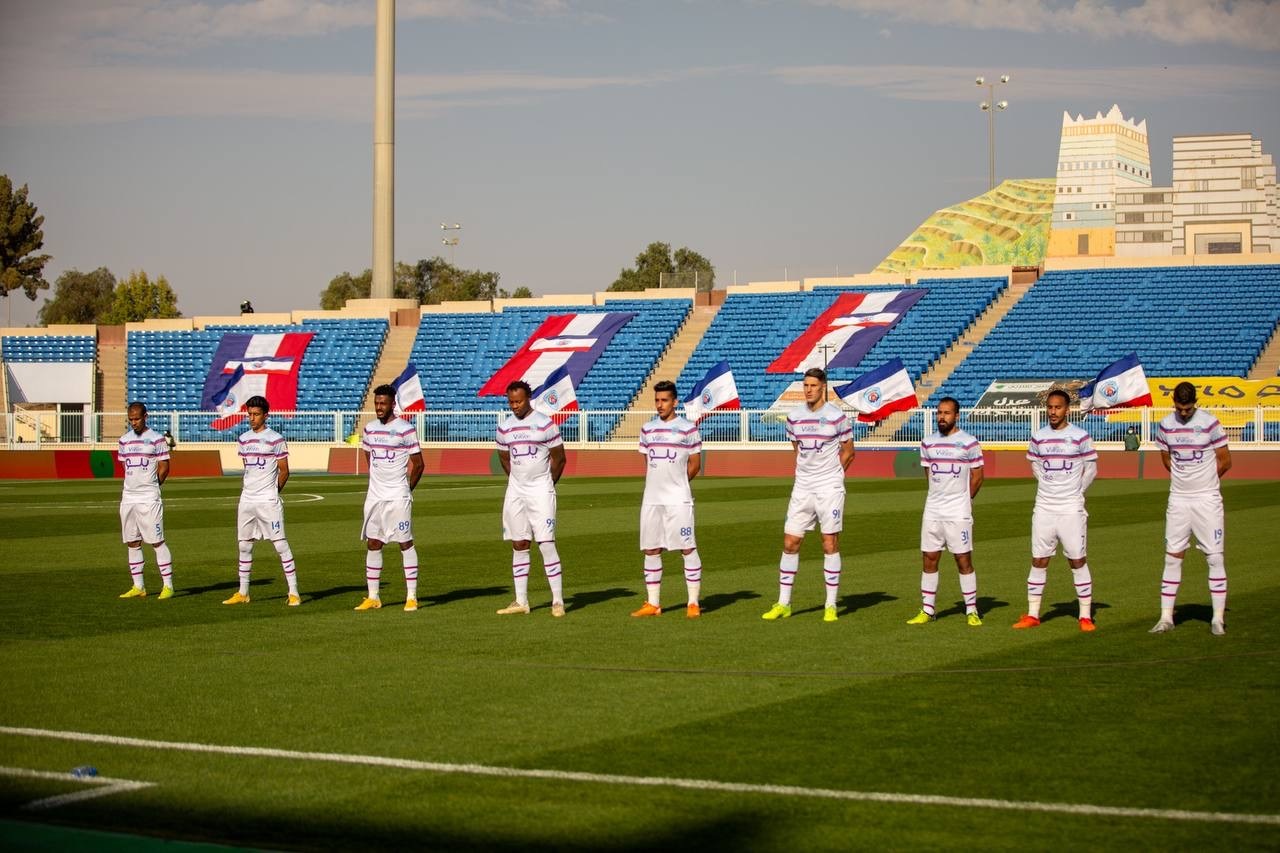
1119, 718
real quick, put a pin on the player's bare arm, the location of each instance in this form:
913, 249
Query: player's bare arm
558, 461
416, 466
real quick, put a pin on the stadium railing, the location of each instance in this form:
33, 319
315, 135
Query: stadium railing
1256, 427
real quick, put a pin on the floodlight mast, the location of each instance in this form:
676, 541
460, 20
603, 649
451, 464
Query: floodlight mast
384, 149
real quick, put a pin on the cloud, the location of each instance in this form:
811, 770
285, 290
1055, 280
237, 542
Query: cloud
1095, 85
1251, 24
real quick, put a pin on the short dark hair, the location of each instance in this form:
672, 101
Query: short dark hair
385, 391
817, 373
1184, 393
952, 400
665, 385
1058, 392
257, 401
520, 385
139, 405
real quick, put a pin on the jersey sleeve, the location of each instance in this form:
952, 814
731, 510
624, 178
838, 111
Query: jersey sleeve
282, 448
1162, 441
693, 441
1085, 447
1217, 436
364, 440
790, 428
974, 455
161, 449
644, 442
844, 429
924, 455
553, 438
409, 440
1033, 450
500, 439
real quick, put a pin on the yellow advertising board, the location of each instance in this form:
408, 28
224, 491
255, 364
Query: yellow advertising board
1214, 392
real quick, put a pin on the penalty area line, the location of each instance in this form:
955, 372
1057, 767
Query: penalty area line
712, 785
101, 786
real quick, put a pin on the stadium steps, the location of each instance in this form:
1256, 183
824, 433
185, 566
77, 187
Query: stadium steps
110, 388
677, 355
395, 355
1018, 287
1268, 364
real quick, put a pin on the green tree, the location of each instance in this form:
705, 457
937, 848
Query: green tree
139, 298
345, 286
429, 281
79, 297
20, 240
522, 293
657, 261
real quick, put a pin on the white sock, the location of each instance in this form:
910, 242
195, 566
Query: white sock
1035, 590
653, 578
245, 569
520, 574
1084, 590
831, 575
135, 566
286, 564
788, 565
969, 589
929, 592
409, 557
164, 562
1217, 585
373, 571
551, 565
1169, 583
693, 575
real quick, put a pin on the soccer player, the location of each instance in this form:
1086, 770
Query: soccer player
954, 460
822, 440
1064, 463
261, 513
145, 457
390, 447
1195, 502
532, 454
673, 453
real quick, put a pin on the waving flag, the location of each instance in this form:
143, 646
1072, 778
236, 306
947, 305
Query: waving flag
879, 393
555, 398
716, 390
268, 365
844, 333
571, 341
409, 391
1119, 385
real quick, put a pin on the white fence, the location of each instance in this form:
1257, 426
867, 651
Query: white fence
33, 429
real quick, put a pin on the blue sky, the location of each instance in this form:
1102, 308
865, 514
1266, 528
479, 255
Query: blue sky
228, 146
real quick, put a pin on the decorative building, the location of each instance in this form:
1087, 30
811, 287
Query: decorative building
1097, 158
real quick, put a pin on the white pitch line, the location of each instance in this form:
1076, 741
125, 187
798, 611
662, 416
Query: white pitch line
105, 786
656, 781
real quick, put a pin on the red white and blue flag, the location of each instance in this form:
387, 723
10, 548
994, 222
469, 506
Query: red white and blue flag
844, 333
879, 393
555, 398
408, 387
571, 341
1120, 385
245, 366
716, 390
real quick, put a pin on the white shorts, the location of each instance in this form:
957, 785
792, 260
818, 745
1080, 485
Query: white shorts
1049, 527
527, 517
667, 526
956, 535
807, 510
142, 522
1201, 515
388, 521
260, 521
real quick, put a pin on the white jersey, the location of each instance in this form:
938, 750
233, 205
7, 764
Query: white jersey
389, 445
818, 436
667, 445
1060, 454
139, 455
529, 441
1191, 448
949, 459
261, 453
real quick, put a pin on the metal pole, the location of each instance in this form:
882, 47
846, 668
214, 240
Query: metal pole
384, 157
991, 135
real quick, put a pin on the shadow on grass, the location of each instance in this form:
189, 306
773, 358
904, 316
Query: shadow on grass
585, 599
985, 606
853, 602
720, 600
464, 594
1193, 613
1070, 609
334, 590
216, 587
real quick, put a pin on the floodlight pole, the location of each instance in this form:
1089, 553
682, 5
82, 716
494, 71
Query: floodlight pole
384, 148
989, 106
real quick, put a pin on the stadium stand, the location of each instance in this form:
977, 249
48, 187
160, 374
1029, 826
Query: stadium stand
751, 330
457, 353
1181, 321
167, 370
36, 348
